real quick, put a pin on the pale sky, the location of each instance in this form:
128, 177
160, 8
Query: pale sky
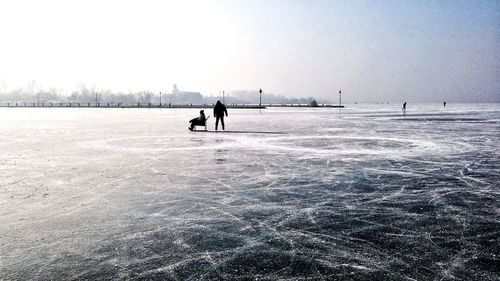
372, 50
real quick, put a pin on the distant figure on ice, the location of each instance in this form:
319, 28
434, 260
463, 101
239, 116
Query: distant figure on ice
219, 110
444, 104
200, 121
404, 108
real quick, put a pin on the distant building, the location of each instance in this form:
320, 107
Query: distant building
183, 97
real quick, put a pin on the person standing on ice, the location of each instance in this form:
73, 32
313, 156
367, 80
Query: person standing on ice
219, 110
404, 108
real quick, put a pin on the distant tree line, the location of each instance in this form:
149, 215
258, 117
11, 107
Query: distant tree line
86, 94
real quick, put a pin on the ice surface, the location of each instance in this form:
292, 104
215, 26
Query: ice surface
361, 193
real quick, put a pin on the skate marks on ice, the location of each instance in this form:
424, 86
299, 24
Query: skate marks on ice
354, 199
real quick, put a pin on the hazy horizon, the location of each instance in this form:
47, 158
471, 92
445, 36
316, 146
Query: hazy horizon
375, 51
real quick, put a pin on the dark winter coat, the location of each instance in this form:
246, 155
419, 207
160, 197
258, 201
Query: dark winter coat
219, 109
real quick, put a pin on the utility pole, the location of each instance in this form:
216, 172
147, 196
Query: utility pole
260, 97
38, 99
96, 99
340, 97
160, 99
223, 98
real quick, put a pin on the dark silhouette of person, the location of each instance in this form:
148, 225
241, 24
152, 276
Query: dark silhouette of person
219, 110
444, 104
404, 106
200, 121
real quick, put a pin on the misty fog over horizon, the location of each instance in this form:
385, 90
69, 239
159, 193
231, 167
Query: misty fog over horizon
84, 94
385, 51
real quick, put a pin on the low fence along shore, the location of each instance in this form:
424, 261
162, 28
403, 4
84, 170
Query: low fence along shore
149, 105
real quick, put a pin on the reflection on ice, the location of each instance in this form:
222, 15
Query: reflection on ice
365, 194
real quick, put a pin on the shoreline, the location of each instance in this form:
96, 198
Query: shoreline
166, 106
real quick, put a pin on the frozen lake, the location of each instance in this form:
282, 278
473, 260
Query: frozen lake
361, 193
